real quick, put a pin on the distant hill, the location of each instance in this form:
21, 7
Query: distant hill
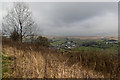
84, 37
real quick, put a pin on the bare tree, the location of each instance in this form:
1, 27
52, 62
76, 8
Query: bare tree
19, 19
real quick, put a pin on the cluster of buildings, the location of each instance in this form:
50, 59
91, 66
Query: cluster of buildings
69, 44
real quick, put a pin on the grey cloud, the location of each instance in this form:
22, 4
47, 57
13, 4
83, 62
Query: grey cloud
72, 12
75, 18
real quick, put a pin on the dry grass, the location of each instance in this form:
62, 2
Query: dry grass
107, 64
31, 64
29, 61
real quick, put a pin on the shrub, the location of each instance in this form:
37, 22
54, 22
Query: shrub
15, 36
42, 41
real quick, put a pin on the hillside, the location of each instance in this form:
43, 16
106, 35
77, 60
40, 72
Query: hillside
31, 64
27, 61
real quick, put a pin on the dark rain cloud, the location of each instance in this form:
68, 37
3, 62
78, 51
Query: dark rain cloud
76, 18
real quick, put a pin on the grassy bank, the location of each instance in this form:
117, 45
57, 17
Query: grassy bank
28, 61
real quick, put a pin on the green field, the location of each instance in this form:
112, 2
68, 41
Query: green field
86, 45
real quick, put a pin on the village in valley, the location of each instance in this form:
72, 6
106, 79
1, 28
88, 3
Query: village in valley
71, 43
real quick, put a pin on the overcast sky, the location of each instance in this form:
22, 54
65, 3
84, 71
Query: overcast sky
73, 18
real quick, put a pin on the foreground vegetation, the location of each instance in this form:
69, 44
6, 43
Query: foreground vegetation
31, 61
